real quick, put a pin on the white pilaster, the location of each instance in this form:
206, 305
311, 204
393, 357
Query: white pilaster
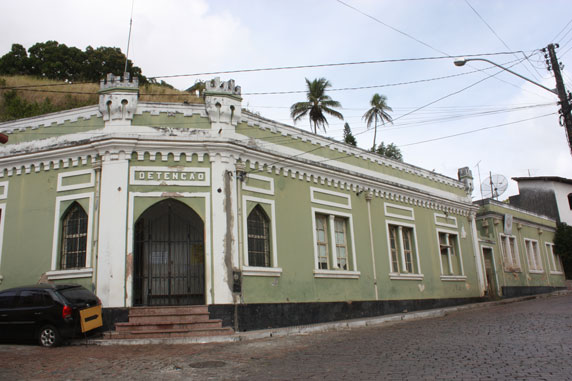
479, 261
225, 227
112, 228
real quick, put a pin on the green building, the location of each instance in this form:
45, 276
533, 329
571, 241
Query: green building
154, 204
518, 250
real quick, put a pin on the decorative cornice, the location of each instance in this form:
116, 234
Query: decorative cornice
48, 120
163, 147
517, 220
344, 149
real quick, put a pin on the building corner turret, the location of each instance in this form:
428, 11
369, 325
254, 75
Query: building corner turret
118, 98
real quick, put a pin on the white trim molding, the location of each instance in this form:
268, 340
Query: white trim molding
251, 188
532, 246
208, 247
56, 234
70, 274
335, 272
178, 176
274, 270
338, 274
61, 176
4, 194
495, 269
313, 197
451, 277
446, 217
407, 276
261, 271
395, 206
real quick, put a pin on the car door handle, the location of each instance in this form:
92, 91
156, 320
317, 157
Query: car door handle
37, 313
3, 315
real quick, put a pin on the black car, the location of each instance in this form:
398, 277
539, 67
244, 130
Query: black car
48, 313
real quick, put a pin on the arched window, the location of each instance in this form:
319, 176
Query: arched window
258, 225
74, 238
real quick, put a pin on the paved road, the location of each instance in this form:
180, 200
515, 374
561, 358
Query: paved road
525, 340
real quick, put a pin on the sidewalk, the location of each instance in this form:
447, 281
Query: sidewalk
320, 327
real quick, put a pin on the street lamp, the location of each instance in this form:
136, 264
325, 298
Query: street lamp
462, 61
560, 91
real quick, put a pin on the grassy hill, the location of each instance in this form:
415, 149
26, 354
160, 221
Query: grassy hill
25, 96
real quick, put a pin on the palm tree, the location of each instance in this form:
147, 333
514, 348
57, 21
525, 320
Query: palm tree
377, 112
318, 103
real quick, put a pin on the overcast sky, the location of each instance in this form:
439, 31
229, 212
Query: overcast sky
518, 135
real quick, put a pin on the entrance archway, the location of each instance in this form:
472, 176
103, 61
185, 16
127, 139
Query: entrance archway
169, 256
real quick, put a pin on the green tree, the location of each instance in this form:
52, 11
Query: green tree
377, 113
100, 61
14, 62
317, 105
349, 138
563, 246
53, 60
390, 151
56, 61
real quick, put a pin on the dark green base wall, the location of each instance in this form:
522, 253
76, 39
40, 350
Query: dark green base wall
262, 316
249, 317
513, 292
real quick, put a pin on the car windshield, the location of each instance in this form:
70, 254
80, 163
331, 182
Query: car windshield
79, 295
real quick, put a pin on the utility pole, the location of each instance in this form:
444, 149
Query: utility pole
565, 115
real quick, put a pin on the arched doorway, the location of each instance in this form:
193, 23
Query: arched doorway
169, 256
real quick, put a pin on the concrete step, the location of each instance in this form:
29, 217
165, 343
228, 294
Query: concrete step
167, 333
178, 318
142, 327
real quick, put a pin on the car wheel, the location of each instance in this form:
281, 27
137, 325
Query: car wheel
49, 336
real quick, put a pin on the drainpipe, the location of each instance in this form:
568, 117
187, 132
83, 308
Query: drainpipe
368, 198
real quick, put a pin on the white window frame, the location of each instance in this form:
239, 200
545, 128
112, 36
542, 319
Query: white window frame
87, 272
335, 272
450, 276
514, 265
314, 192
274, 270
553, 259
533, 258
61, 176
255, 189
402, 275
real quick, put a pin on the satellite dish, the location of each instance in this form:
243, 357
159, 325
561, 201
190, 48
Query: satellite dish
494, 186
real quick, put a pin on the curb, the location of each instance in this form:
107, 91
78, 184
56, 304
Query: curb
320, 327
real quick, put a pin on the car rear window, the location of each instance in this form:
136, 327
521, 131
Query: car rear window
34, 298
79, 295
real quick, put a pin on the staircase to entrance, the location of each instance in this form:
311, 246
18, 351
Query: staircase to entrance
169, 321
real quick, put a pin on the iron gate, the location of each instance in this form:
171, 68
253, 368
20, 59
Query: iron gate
169, 256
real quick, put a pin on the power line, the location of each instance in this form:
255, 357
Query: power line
27, 87
296, 67
562, 30
499, 38
415, 39
478, 129
440, 138
368, 87
392, 28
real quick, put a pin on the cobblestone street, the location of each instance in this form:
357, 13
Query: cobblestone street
525, 340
